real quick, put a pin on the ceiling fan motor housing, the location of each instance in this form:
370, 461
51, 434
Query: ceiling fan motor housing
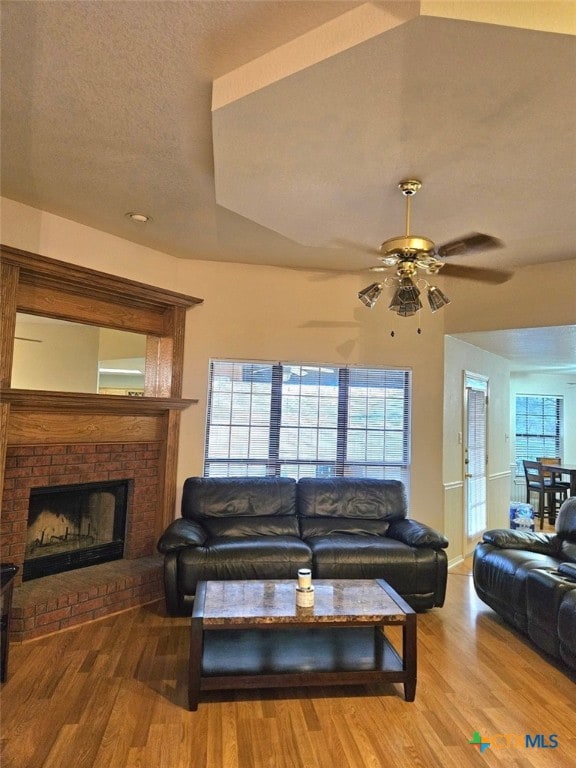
407, 245
408, 253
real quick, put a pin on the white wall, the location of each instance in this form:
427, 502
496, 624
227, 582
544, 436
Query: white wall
265, 313
537, 295
548, 384
270, 313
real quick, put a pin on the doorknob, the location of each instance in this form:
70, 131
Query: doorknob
468, 475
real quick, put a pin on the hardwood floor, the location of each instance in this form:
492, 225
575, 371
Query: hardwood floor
112, 694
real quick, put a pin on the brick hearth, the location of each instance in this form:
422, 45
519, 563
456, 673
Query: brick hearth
55, 602
52, 603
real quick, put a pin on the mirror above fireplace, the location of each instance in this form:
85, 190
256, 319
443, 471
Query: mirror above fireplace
63, 356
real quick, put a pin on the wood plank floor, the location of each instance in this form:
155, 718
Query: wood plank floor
112, 694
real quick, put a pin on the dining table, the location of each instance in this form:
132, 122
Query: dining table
563, 469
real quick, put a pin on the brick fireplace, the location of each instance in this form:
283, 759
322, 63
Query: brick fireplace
29, 467
55, 602
53, 438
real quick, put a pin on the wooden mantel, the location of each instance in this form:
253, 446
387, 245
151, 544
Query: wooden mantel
32, 399
47, 287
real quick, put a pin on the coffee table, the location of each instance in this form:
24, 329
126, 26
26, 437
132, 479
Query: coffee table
251, 634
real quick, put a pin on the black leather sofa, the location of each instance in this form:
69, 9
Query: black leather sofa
268, 528
529, 579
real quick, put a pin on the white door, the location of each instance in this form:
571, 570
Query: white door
475, 459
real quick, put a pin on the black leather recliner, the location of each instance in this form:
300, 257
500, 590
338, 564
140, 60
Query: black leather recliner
268, 528
529, 579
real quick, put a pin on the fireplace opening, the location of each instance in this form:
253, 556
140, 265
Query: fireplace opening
74, 526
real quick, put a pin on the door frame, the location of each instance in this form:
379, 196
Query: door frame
477, 382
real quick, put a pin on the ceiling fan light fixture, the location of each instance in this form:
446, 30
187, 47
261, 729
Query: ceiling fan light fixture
436, 298
411, 255
390, 260
408, 291
370, 295
405, 301
408, 308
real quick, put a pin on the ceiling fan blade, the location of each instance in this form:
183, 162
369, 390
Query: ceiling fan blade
493, 276
471, 243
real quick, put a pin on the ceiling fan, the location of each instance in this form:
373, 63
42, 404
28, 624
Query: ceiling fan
411, 254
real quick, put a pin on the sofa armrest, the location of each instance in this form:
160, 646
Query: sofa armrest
507, 538
180, 534
416, 534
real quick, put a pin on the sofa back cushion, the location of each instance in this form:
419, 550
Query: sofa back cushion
242, 506
352, 505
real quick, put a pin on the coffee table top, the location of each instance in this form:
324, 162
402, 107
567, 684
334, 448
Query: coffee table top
274, 602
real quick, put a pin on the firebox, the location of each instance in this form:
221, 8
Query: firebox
74, 526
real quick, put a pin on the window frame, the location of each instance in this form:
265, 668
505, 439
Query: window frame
341, 465
558, 436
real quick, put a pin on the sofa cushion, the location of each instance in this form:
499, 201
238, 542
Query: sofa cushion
232, 506
568, 570
344, 556
568, 551
246, 557
328, 526
349, 505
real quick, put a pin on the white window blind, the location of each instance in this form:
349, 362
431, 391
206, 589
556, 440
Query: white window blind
538, 428
299, 420
476, 467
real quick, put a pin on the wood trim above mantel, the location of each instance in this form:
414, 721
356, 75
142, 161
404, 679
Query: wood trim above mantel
64, 417
67, 402
43, 286
82, 281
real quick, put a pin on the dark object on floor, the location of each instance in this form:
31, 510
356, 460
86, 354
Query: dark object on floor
7, 573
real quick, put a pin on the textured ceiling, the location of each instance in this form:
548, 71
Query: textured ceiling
531, 350
106, 108
274, 132
316, 155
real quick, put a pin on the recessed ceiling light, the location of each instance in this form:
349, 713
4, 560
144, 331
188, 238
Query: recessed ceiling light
140, 218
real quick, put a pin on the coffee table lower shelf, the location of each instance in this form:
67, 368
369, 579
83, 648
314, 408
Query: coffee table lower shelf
293, 657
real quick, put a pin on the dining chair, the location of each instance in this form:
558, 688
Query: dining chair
555, 477
546, 489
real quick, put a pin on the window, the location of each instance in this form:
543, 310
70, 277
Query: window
538, 428
299, 420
